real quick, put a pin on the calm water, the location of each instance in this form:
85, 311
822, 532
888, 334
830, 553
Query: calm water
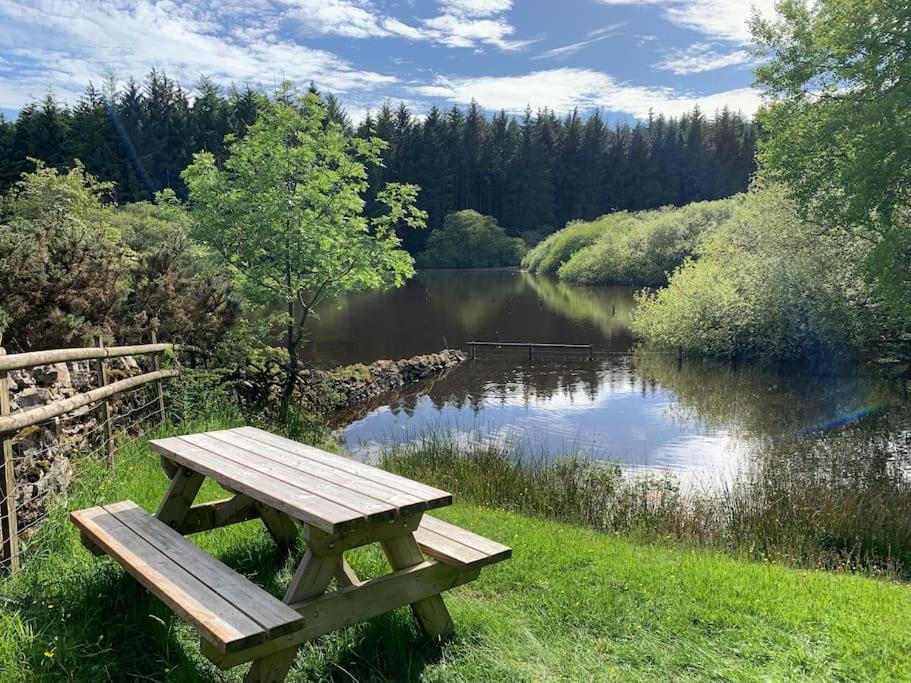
700, 420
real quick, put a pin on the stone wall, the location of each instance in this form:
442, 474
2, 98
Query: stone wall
42, 452
326, 391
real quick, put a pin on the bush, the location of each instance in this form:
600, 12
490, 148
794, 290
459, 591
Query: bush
470, 240
63, 268
765, 285
74, 266
557, 248
171, 279
641, 252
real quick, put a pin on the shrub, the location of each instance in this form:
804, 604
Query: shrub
62, 266
556, 249
171, 279
73, 266
765, 285
641, 252
470, 240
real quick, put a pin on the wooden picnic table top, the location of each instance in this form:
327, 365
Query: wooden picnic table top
328, 491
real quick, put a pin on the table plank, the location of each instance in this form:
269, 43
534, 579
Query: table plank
371, 508
327, 491
326, 515
433, 496
406, 503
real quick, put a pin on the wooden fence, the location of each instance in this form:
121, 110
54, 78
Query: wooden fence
11, 423
473, 345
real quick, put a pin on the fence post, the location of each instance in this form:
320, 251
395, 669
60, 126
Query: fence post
101, 378
9, 527
156, 365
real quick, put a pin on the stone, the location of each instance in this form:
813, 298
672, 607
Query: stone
33, 396
52, 375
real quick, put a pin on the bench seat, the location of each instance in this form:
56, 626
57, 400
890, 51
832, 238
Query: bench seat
227, 609
457, 546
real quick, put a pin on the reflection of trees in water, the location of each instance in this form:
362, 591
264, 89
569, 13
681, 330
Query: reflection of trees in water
474, 300
609, 309
509, 379
761, 402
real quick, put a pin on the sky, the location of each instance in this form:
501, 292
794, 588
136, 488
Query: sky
622, 56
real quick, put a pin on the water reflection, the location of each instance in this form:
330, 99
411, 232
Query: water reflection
703, 420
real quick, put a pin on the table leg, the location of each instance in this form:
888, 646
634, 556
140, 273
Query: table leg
431, 613
310, 580
280, 526
345, 575
179, 498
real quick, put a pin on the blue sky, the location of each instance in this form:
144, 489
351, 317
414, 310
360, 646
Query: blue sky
620, 55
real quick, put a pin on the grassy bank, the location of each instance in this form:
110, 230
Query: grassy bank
573, 604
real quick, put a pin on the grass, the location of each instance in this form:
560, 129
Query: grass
833, 500
572, 604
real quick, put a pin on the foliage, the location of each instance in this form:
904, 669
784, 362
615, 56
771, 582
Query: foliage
644, 251
764, 286
637, 249
172, 284
838, 132
63, 269
532, 173
74, 266
470, 240
285, 213
583, 593
556, 249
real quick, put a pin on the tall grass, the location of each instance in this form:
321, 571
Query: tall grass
838, 500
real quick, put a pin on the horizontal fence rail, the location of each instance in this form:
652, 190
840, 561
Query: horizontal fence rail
530, 346
27, 418
30, 359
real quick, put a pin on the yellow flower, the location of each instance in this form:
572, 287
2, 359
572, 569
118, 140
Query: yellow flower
49, 655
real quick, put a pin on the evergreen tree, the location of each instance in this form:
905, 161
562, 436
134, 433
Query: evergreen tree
532, 173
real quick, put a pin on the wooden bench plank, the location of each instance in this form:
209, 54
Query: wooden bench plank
433, 496
365, 506
227, 609
405, 503
265, 609
306, 507
216, 619
457, 546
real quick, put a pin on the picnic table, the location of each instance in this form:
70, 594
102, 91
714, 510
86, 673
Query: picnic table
336, 503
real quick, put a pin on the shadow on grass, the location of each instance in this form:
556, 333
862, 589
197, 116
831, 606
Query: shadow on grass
98, 624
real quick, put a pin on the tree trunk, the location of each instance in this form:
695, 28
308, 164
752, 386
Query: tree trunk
292, 342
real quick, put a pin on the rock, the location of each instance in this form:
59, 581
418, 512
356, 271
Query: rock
33, 396
52, 375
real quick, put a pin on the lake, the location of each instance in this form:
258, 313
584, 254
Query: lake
701, 421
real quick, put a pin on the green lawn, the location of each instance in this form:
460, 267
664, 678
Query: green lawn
572, 604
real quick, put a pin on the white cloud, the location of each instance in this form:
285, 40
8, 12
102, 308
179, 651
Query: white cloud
566, 88
85, 40
701, 57
571, 49
476, 8
461, 23
721, 19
